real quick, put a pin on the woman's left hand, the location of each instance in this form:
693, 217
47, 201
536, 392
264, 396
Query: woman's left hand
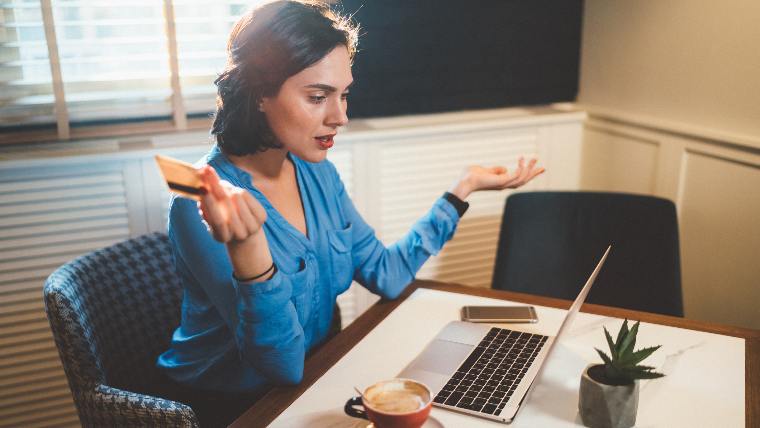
475, 178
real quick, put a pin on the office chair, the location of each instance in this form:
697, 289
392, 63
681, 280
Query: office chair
550, 242
112, 312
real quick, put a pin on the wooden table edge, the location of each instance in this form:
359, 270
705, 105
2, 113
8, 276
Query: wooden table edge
274, 402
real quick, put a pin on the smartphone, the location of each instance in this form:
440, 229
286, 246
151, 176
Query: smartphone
499, 314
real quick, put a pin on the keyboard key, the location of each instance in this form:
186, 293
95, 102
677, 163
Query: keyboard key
439, 399
453, 399
489, 408
458, 375
461, 388
474, 355
494, 400
465, 401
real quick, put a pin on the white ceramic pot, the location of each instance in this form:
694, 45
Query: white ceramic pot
607, 406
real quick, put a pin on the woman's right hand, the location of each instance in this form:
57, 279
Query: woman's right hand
231, 214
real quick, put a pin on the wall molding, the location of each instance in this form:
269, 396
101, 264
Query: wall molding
679, 129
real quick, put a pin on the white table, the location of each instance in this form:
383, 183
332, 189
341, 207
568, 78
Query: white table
704, 384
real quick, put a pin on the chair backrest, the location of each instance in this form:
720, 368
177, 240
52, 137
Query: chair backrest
550, 241
113, 311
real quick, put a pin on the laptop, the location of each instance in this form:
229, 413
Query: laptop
488, 371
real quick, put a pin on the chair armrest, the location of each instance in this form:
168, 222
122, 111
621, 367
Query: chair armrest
115, 407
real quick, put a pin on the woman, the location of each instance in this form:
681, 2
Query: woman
276, 239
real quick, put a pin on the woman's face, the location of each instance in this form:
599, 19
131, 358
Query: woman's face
310, 106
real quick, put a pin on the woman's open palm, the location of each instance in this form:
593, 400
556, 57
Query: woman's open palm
498, 178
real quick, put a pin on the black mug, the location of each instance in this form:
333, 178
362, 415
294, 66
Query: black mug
351, 408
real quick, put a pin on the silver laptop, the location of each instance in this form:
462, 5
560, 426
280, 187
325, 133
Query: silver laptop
487, 371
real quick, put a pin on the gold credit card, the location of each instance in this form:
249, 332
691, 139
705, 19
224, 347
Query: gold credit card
181, 177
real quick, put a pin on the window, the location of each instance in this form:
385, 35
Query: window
27, 90
115, 61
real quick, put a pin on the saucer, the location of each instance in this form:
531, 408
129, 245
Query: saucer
335, 418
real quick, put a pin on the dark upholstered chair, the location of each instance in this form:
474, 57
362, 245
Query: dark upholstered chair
112, 313
550, 242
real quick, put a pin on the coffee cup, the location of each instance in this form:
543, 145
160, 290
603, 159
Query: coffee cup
396, 403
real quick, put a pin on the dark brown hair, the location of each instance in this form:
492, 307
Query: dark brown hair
267, 45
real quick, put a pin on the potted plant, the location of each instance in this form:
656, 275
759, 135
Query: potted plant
609, 393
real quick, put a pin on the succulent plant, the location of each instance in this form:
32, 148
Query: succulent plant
622, 367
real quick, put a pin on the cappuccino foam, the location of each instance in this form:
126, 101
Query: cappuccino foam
396, 401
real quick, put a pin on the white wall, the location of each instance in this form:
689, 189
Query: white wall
688, 61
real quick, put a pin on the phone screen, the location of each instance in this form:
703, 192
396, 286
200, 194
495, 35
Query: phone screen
499, 313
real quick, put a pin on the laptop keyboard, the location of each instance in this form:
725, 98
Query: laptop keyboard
489, 376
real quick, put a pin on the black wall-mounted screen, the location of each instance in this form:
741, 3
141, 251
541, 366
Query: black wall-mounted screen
424, 56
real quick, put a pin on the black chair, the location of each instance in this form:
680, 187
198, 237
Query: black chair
112, 312
550, 242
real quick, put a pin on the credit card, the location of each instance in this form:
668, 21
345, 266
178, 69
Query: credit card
181, 177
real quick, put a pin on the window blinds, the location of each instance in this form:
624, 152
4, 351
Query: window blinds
116, 60
26, 95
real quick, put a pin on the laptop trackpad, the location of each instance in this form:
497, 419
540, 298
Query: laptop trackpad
440, 356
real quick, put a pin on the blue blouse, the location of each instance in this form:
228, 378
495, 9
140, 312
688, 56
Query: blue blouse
241, 336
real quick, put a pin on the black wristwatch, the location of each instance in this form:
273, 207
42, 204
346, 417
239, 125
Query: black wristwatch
460, 205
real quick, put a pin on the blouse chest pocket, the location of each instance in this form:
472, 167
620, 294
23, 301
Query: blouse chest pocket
302, 295
341, 241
